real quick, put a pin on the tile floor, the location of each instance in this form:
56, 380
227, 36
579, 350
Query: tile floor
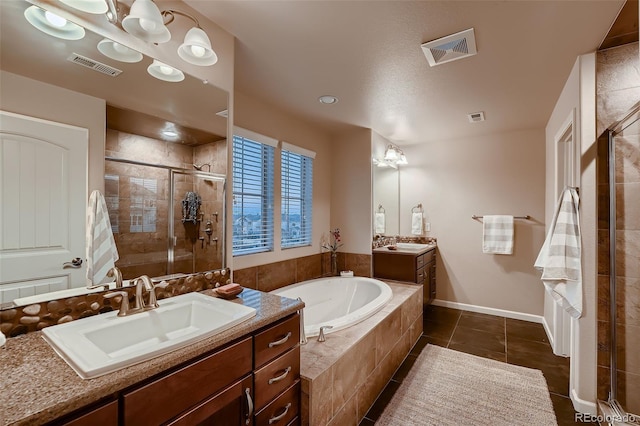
513, 341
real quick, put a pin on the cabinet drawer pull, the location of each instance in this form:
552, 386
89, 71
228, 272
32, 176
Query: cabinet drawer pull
280, 377
281, 341
275, 419
247, 391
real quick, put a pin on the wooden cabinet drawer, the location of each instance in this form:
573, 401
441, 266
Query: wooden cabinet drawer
106, 415
231, 406
276, 376
282, 410
168, 396
429, 256
420, 275
276, 340
420, 261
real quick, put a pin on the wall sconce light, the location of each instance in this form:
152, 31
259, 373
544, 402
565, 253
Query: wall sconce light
165, 72
118, 51
196, 48
52, 24
393, 157
145, 22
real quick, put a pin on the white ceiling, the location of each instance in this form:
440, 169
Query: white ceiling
368, 54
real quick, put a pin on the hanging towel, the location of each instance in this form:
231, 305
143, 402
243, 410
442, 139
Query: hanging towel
416, 223
380, 224
102, 253
560, 257
190, 207
497, 234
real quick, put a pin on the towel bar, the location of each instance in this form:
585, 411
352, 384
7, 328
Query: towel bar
417, 209
527, 217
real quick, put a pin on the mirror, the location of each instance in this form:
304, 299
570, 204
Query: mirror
386, 200
139, 108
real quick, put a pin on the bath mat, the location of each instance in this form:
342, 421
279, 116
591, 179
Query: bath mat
446, 387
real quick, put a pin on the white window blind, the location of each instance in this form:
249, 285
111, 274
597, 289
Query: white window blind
253, 175
297, 198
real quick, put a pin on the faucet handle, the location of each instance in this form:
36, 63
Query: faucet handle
153, 302
124, 304
322, 329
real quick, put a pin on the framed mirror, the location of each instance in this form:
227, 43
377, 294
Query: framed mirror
178, 130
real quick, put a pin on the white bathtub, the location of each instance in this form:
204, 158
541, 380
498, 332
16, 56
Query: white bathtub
338, 302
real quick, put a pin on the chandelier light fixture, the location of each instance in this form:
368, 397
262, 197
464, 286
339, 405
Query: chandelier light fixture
393, 157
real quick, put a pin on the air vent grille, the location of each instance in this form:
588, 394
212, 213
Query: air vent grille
93, 64
450, 48
476, 117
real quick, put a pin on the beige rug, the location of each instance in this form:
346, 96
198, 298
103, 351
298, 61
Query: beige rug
446, 387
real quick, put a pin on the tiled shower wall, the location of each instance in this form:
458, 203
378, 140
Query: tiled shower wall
618, 89
145, 252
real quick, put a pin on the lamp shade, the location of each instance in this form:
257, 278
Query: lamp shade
196, 48
391, 154
145, 22
89, 6
52, 24
118, 51
165, 72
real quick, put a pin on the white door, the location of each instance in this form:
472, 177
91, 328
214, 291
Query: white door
43, 193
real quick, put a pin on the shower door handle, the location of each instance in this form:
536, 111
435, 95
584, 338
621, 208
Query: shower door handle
76, 263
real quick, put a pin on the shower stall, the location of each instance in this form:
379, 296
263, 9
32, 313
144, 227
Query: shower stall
619, 283
165, 220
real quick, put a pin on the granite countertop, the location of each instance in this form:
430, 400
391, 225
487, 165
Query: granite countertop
399, 250
37, 386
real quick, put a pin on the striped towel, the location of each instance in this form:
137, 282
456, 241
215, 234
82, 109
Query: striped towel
560, 257
380, 226
497, 234
101, 246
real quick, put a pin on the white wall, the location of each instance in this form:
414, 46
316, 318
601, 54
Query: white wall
579, 94
494, 174
351, 198
36, 99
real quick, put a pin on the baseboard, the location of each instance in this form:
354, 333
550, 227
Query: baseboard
581, 405
491, 311
547, 330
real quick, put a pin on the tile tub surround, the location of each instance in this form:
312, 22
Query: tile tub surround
30, 318
37, 386
343, 376
272, 276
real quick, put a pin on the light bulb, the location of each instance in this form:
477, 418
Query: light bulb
147, 24
55, 20
166, 70
120, 48
198, 51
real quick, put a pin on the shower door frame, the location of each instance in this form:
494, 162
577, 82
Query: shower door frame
171, 170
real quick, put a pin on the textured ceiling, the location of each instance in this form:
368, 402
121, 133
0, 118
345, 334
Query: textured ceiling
368, 54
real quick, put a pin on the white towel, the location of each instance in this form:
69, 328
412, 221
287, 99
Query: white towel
497, 234
101, 246
380, 225
560, 256
416, 223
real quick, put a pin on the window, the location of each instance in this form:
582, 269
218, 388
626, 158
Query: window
144, 196
253, 174
297, 196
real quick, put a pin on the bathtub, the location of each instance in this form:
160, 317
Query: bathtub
339, 302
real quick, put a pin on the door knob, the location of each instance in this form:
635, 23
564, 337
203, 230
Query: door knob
76, 262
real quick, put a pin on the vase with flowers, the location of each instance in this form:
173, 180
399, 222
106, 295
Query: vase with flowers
333, 245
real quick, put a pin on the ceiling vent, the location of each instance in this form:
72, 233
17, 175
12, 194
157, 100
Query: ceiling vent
450, 48
476, 117
94, 65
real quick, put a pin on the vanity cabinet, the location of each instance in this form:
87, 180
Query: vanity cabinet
104, 414
419, 268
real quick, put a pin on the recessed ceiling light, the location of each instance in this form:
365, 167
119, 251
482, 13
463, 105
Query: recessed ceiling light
170, 133
328, 99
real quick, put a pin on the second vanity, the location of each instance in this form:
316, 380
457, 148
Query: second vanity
414, 263
246, 375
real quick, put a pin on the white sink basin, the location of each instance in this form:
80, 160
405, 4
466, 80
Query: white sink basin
412, 246
105, 343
